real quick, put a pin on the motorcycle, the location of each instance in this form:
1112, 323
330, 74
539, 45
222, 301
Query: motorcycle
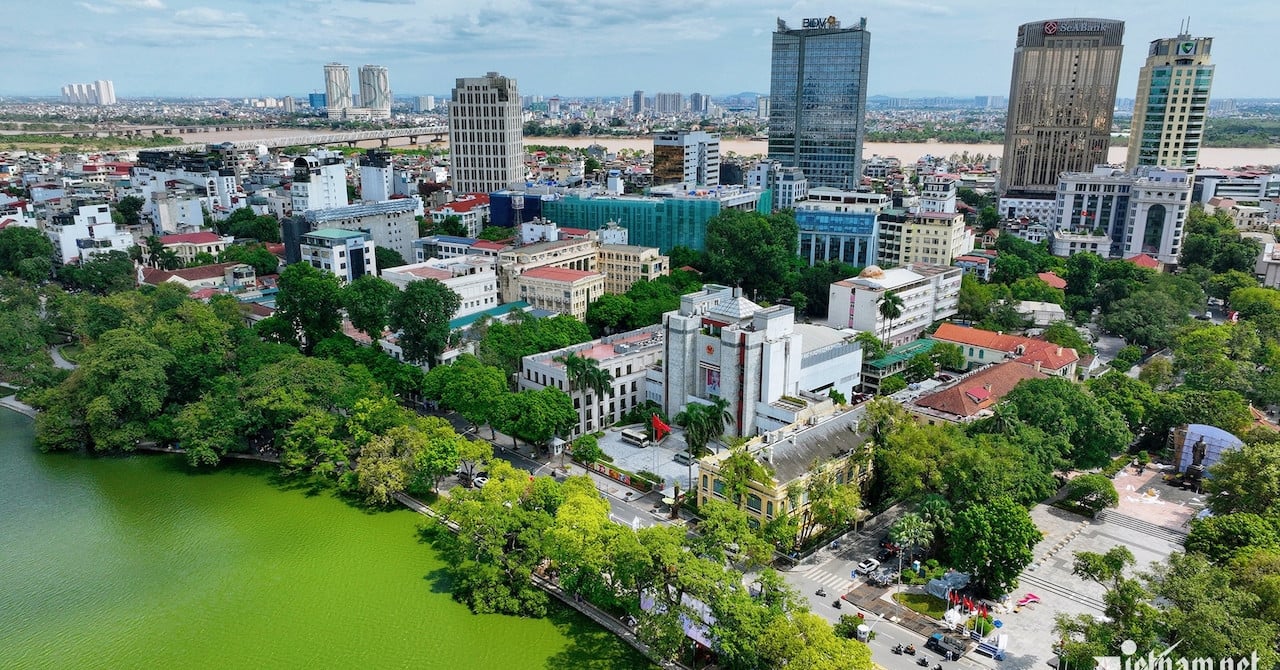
923, 662
835, 604
910, 650
822, 593
897, 649
937, 666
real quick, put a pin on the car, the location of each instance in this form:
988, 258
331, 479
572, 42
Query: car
867, 566
945, 644
684, 458
479, 482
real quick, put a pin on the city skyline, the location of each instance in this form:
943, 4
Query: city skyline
180, 48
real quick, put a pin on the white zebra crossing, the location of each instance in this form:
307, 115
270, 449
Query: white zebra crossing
840, 583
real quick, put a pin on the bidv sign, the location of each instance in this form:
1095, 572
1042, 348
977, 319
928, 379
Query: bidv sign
829, 22
1055, 27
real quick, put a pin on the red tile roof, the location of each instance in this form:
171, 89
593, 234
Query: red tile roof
155, 277
465, 203
1050, 356
487, 245
1144, 261
559, 274
191, 238
1052, 280
980, 390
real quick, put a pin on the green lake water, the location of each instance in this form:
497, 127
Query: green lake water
139, 563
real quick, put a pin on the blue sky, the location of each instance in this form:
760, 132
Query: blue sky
575, 47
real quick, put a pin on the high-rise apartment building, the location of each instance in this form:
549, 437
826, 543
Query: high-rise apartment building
376, 172
762, 107
818, 99
668, 103
637, 103
486, 134
1061, 98
690, 157
699, 103
100, 92
1172, 103
375, 91
319, 181
337, 88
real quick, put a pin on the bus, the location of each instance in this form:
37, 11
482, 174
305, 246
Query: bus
637, 437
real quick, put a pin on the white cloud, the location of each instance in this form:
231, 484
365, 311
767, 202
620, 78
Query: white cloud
141, 4
99, 9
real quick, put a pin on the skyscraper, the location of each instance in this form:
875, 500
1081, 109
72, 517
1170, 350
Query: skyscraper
100, 92
486, 134
337, 88
375, 91
1061, 98
818, 99
1172, 103
637, 103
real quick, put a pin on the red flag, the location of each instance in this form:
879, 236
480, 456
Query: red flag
660, 428
968, 604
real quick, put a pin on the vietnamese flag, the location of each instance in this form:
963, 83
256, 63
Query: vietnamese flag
660, 428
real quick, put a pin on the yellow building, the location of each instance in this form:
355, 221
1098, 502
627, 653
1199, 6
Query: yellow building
626, 264
573, 254
557, 289
937, 238
793, 454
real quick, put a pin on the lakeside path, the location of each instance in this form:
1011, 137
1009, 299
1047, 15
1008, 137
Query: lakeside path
604, 619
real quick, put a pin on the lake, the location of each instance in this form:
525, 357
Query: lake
137, 562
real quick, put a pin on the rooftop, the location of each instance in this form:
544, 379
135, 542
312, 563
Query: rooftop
335, 234
492, 312
980, 390
191, 238
366, 209
559, 274
465, 203
796, 448
902, 353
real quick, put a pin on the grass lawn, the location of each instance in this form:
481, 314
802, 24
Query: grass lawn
72, 351
923, 603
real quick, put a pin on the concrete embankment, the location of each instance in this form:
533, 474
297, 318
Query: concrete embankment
16, 405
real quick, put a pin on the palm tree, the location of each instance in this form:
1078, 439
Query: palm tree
718, 417
909, 532
697, 427
890, 309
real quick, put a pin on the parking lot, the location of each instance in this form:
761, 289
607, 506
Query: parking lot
655, 458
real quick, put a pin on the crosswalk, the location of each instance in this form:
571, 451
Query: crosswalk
829, 580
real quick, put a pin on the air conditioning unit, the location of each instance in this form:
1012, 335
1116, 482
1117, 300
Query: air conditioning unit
813, 421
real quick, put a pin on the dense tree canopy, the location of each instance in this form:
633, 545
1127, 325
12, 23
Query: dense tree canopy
754, 251
420, 314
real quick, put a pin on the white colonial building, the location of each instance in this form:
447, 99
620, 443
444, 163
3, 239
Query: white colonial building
928, 292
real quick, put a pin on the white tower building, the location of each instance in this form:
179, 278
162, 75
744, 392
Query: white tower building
337, 88
375, 91
486, 134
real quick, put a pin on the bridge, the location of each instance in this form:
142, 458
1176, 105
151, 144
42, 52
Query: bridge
350, 138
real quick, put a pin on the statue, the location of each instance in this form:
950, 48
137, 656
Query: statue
1197, 453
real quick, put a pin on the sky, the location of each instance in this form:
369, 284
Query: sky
248, 48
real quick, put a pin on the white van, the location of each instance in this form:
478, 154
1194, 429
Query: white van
684, 458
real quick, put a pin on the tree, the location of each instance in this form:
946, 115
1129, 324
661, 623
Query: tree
1084, 270
23, 358
988, 217
537, 416
890, 307
1223, 284
1255, 302
892, 384
1059, 407
1246, 480
18, 244
130, 208
992, 542
610, 314
1222, 538
1126, 358
420, 314
1157, 373
910, 532
1064, 334
586, 449
1010, 268
475, 390
386, 257
737, 471
309, 302
368, 304
815, 284
1132, 398
103, 274
873, 348
754, 251
1036, 289
949, 356
1092, 493
585, 374
833, 504
264, 262
495, 233
919, 368
111, 399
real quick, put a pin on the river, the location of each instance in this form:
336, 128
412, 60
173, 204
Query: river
137, 562
907, 153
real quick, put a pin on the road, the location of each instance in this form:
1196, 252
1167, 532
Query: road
638, 512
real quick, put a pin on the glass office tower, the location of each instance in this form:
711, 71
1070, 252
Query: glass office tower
818, 100
1061, 98
1172, 104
